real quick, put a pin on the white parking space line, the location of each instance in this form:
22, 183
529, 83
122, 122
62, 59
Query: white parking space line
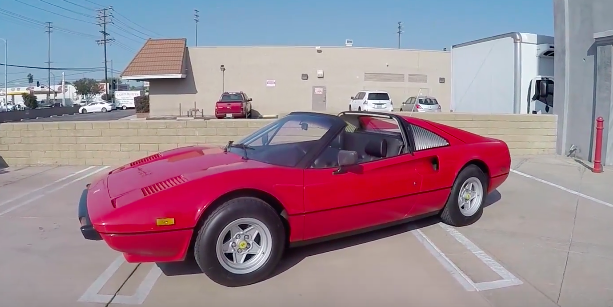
453, 269
44, 193
508, 279
596, 200
45, 186
92, 295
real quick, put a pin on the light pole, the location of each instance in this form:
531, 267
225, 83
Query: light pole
6, 74
223, 78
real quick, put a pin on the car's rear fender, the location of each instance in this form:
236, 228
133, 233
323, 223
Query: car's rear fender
492, 157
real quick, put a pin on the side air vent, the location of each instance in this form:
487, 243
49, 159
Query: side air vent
163, 185
145, 160
425, 139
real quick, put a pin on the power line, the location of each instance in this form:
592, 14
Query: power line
53, 68
128, 32
128, 26
94, 3
103, 20
68, 10
25, 19
76, 4
54, 13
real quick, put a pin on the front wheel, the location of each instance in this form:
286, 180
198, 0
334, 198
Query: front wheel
124, 107
103, 110
240, 243
465, 203
83, 111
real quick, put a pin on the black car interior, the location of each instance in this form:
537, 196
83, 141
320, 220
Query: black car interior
370, 146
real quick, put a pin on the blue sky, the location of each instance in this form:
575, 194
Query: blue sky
432, 24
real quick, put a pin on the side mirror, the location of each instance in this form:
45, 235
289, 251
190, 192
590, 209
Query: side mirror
346, 158
352, 98
250, 99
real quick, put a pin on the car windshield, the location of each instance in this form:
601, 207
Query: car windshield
286, 141
378, 96
427, 101
231, 97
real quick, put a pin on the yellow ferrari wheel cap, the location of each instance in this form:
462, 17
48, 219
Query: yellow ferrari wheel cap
242, 244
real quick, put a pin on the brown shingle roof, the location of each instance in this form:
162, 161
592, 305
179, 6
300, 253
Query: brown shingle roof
158, 57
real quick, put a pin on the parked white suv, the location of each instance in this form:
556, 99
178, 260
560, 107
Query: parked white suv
371, 101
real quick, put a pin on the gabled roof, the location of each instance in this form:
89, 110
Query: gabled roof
158, 59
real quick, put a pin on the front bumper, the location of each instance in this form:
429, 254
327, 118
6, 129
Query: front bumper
87, 229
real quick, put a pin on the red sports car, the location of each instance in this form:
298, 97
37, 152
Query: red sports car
305, 176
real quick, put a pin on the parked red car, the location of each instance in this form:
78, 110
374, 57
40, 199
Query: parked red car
304, 177
233, 105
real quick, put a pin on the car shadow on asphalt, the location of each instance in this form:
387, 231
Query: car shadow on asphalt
294, 256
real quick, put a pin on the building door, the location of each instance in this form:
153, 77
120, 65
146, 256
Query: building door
318, 98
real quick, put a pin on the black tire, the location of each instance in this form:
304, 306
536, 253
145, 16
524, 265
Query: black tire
103, 110
451, 213
206, 242
359, 108
350, 108
401, 110
124, 107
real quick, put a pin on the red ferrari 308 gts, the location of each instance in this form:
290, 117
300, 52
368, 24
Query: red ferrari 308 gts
304, 177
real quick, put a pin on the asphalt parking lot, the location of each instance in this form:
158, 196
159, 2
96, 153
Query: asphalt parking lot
113, 115
545, 239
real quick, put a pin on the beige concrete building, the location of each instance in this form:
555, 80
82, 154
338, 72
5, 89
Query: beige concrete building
284, 79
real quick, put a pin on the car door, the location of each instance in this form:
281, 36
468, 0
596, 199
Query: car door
352, 102
368, 194
373, 193
247, 103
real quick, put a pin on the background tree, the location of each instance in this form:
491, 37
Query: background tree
30, 100
86, 87
106, 97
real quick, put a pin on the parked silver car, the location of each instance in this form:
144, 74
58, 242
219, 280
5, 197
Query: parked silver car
421, 104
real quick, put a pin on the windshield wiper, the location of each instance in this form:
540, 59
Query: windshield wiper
243, 146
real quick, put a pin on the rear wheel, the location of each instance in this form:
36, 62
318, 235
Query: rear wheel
359, 108
124, 107
240, 243
465, 203
103, 110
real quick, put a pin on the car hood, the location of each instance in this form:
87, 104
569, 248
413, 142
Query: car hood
186, 163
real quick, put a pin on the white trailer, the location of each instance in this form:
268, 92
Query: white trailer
125, 99
508, 73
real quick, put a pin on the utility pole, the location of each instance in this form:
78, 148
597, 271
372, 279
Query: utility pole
6, 74
104, 18
63, 89
399, 32
196, 19
48, 30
